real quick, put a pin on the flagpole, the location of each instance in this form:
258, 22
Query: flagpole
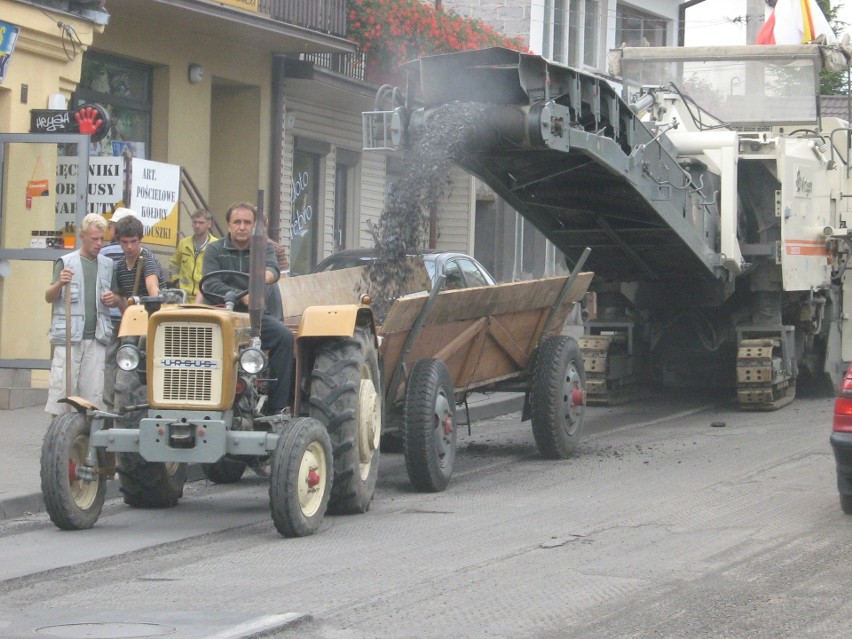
756, 16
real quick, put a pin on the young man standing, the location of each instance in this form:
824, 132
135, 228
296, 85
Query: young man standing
232, 254
187, 262
114, 252
138, 272
85, 276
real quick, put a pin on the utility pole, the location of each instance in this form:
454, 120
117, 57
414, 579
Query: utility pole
755, 10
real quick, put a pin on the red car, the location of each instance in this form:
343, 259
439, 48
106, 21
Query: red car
841, 441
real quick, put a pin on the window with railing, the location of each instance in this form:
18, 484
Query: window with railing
352, 65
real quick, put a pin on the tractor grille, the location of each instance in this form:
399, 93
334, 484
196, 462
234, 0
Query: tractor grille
183, 385
187, 340
188, 364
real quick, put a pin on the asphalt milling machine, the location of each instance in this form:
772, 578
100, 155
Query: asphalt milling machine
714, 197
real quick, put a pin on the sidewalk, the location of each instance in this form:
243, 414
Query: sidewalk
23, 429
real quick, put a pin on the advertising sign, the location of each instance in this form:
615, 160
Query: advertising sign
106, 181
155, 191
154, 197
8, 38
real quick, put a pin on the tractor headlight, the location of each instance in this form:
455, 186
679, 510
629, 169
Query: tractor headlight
128, 357
252, 361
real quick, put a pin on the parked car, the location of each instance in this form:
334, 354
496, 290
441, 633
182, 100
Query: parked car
841, 441
460, 270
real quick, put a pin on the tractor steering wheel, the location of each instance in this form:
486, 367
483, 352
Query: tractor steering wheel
237, 281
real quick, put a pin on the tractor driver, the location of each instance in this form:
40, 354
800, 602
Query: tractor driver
231, 253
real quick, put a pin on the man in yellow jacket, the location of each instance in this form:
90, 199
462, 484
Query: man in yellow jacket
187, 262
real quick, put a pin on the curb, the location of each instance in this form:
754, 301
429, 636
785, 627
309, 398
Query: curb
494, 406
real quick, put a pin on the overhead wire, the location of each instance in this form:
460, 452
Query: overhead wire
72, 45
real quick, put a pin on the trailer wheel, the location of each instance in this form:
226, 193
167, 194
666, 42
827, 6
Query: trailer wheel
300, 478
71, 502
429, 443
224, 471
345, 396
143, 484
558, 397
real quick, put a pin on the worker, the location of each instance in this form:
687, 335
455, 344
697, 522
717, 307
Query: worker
186, 264
231, 253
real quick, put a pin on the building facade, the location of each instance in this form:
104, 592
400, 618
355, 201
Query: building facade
245, 96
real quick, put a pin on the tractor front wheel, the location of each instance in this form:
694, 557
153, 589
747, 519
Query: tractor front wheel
300, 478
73, 502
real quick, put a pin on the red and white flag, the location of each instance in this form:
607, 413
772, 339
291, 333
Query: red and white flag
795, 22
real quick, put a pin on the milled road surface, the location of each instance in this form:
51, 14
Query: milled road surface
662, 525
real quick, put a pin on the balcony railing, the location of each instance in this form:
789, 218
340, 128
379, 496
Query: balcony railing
352, 65
327, 16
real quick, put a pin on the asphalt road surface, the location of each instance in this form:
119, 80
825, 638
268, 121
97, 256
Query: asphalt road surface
677, 517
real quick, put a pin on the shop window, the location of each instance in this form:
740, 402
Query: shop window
635, 28
344, 195
123, 87
304, 208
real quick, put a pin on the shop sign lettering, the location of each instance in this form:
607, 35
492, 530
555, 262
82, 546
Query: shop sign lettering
301, 216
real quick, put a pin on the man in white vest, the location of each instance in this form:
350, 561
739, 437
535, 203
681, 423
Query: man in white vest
85, 276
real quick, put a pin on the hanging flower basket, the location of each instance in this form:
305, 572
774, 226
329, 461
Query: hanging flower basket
391, 32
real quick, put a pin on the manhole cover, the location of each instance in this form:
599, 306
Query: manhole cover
106, 630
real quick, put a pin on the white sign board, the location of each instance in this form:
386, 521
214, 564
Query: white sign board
154, 196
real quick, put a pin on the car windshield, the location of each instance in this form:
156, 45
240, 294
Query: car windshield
430, 268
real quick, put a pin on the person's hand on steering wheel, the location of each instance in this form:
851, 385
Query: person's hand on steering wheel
236, 281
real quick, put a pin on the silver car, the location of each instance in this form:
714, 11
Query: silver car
460, 270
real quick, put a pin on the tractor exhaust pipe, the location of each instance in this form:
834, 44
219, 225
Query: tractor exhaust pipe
257, 269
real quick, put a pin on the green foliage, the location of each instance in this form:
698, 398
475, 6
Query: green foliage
833, 82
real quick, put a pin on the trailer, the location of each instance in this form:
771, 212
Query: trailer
436, 346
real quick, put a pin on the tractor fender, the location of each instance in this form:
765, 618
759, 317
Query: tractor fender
334, 320
134, 322
79, 404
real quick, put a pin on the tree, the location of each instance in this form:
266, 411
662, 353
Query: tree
833, 82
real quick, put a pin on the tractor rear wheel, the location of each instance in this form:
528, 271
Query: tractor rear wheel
300, 478
346, 397
558, 397
224, 471
144, 484
429, 443
846, 504
71, 502
150, 484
